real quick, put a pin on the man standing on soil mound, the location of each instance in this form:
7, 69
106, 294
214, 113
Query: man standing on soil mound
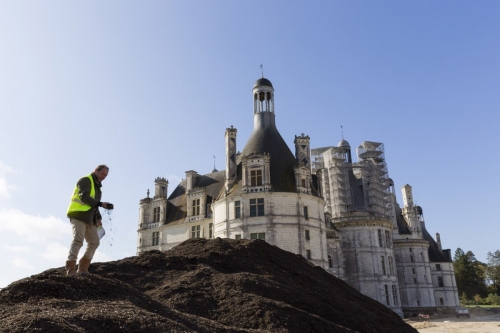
84, 215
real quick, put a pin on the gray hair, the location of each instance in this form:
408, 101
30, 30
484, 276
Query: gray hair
101, 166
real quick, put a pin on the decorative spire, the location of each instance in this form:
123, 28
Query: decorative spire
214, 170
262, 70
148, 192
342, 129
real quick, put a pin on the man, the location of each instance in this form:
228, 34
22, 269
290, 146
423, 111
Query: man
84, 215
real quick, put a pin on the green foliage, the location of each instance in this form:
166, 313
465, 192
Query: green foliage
493, 270
470, 274
492, 299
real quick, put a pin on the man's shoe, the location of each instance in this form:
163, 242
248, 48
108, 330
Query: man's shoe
70, 267
83, 266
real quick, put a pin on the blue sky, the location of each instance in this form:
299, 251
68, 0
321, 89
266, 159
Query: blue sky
149, 88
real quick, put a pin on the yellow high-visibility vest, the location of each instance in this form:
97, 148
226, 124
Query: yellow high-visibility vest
76, 204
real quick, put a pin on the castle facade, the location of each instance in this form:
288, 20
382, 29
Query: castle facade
339, 214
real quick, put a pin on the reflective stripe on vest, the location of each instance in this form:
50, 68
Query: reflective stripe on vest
76, 204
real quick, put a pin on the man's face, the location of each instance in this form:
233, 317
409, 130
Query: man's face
102, 174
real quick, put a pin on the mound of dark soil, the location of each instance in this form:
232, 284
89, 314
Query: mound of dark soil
218, 285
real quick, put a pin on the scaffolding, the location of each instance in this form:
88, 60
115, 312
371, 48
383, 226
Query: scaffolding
372, 169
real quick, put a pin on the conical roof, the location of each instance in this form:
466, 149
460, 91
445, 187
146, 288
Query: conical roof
265, 138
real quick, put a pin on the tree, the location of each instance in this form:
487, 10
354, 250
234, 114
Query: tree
493, 270
470, 274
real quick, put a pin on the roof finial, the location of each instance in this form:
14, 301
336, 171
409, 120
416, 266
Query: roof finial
342, 129
214, 162
262, 70
148, 192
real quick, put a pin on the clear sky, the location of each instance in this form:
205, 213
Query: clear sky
149, 87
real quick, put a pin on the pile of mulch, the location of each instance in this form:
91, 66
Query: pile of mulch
217, 285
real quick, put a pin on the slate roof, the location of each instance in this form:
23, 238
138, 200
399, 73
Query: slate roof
177, 202
265, 138
402, 225
435, 254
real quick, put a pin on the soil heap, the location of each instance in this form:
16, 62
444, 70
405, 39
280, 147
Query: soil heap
217, 285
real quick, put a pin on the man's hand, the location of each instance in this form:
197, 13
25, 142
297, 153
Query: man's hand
99, 223
106, 205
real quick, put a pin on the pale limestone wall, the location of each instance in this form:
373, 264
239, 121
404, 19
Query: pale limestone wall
362, 259
284, 223
449, 292
414, 275
334, 251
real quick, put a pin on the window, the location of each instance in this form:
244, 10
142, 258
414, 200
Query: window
411, 250
156, 214
380, 238
411, 258
196, 207
414, 280
440, 281
382, 261
308, 254
260, 235
210, 230
237, 209
441, 301
256, 207
413, 270
306, 213
195, 231
238, 236
387, 296
438, 267
303, 183
387, 239
256, 178
418, 302
156, 238
391, 266
330, 261
422, 256
394, 294
308, 236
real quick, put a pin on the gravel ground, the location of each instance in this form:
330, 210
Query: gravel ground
479, 324
218, 285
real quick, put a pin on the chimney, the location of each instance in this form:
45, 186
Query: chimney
438, 241
190, 180
230, 156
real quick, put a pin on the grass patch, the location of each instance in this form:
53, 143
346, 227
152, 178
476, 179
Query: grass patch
483, 306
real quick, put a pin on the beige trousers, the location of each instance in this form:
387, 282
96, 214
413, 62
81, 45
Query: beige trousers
81, 231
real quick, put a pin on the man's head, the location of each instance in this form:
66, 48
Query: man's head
101, 172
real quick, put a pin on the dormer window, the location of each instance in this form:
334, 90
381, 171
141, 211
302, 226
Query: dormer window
196, 207
303, 179
256, 177
156, 214
256, 173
